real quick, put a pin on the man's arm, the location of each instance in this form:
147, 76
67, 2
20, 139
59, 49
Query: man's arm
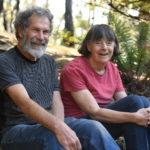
88, 104
57, 106
66, 137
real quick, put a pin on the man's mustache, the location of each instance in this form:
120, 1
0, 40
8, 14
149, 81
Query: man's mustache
37, 41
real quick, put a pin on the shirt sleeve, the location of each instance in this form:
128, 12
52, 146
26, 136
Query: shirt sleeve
72, 79
120, 86
8, 76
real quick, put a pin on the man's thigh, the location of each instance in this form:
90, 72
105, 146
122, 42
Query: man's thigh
30, 137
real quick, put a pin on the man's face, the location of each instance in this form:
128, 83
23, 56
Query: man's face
35, 36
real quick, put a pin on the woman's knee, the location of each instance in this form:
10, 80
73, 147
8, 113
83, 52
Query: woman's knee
138, 102
145, 101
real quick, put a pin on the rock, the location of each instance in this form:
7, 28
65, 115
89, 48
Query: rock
7, 40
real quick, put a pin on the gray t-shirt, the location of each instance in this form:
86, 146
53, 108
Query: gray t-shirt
39, 78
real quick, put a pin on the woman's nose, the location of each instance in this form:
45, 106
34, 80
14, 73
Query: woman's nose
104, 45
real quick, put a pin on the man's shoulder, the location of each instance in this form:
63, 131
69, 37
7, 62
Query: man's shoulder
48, 60
7, 55
48, 57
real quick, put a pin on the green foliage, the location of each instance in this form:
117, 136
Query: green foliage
142, 42
133, 39
68, 38
141, 6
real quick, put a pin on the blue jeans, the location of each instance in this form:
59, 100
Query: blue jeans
92, 135
136, 137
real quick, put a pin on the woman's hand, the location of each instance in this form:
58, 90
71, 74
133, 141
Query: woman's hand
143, 117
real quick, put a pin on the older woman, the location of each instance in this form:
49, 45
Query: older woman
90, 82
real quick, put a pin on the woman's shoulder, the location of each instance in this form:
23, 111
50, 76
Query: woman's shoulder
77, 63
111, 64
112, 67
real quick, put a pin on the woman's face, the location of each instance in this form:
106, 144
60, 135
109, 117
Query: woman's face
101, 51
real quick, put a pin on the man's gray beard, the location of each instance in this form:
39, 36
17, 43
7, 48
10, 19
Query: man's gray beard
35, 51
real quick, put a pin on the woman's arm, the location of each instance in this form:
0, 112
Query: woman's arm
88, 104
120, 95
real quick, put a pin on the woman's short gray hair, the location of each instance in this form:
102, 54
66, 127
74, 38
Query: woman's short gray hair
22, 18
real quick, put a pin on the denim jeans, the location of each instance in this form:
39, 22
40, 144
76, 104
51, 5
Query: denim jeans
136, 137
92, 135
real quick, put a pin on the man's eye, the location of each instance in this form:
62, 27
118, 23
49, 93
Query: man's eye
46, 32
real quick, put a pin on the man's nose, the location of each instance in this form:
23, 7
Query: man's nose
40, 35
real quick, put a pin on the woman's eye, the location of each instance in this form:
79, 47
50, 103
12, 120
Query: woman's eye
98, 42
109, 43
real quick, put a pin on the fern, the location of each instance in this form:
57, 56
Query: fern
134, 60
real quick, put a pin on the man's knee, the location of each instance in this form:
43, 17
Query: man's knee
94, 128
30, 137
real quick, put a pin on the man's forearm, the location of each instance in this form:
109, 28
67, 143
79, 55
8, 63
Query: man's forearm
57, 106
40, 115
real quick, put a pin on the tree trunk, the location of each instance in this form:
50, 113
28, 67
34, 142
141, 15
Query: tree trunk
5, 21
1, 6
69, 22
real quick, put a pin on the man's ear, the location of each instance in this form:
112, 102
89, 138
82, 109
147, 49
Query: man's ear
20, 32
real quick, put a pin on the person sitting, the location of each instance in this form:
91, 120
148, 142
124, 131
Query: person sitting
90, 82
33, 110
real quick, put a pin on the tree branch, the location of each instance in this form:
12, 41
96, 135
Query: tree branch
117, 10
145, 15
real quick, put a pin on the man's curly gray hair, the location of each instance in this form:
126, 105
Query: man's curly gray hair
22, 19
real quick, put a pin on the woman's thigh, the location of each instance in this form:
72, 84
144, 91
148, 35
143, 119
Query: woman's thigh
130, 103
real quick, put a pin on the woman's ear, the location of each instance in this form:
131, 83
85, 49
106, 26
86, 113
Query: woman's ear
89, 47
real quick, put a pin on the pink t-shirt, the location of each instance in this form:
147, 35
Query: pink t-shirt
79, 75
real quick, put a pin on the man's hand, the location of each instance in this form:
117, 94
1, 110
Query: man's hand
67, 137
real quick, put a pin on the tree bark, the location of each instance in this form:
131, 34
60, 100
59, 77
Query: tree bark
1, 6
69, 20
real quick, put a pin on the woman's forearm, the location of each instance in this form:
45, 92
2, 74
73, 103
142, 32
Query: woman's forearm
107, 115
